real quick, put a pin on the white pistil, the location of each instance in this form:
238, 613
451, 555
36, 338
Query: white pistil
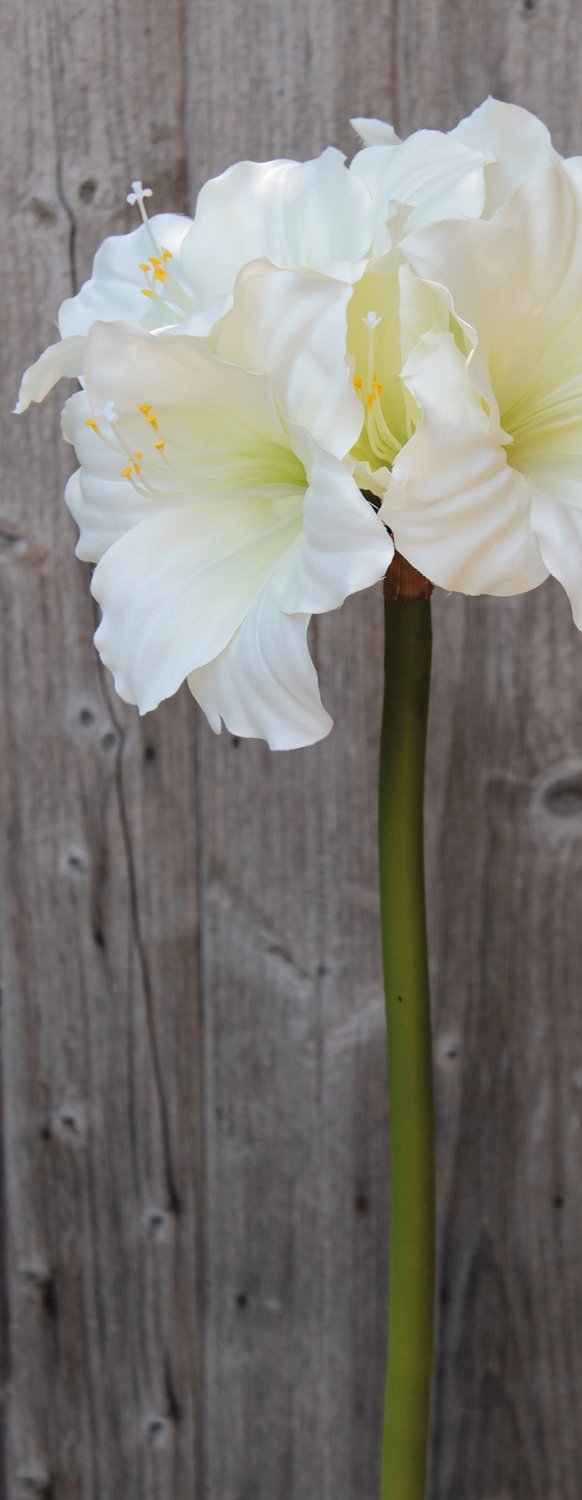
108, 413
156, 269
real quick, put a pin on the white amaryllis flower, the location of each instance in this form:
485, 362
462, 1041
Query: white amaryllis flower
178, 272
467, 173
484, 490
174, 271
218, 506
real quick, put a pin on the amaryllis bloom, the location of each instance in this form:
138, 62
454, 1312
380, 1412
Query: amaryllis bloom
173, 271
476, 441
214, 496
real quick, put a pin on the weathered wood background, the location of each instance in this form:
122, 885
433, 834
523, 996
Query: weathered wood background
194, 1161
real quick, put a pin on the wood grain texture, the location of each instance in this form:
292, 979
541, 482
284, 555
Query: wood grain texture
194, 1161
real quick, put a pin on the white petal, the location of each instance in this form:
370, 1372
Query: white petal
374, 132
517, 145
58, 361
103, 504
295, 214
343, 546
264, 683
293, 327
174, 371
114, 289
174, 590
440, 178
559, 530
517, 280
459, 513
485, 269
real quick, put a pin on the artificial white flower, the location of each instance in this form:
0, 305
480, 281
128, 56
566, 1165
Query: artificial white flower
484, 490
219, 507
467, 173
178, 272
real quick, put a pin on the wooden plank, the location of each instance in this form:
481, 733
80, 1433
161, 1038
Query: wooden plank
294, 1061
102, 1114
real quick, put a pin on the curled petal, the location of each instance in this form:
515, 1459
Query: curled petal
374, 132
517, 146
264, 683
293, 328
343, 546
308, 214
58, 361
439, 178
458, 512
174, 589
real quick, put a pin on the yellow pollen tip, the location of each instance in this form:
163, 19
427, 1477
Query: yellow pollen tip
166, 254
153, 421
145, 410
138, 455
126, 473
91, 423
145, 291
160, 447
160, 274
136, 469
155, 261
144, 266
357, 383
372, 397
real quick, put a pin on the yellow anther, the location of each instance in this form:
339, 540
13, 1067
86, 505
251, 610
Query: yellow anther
136, 469
155, 261
144, 266
91, 423
160, 274
138, 455
160, 447
153, 421
145, 410
145, 291
372, 397
167, 254
127, 473
357, 382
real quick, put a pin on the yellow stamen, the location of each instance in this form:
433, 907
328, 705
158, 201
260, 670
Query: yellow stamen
372, 397
153, 421
160, 447
91, 423
138, 455
145, 291
167, 254
160, 274
155, 261
144, 266
127, 473
357, 383
145, 410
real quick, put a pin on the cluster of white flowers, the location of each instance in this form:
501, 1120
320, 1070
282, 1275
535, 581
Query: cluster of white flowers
325, 363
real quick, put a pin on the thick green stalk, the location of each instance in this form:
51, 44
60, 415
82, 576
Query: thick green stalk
412, 1227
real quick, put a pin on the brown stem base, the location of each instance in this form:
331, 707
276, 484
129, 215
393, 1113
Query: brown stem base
403, 582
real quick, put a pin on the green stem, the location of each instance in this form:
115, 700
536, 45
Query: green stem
412, 1225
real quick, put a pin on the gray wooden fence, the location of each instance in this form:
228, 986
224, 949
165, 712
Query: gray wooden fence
194, 1203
